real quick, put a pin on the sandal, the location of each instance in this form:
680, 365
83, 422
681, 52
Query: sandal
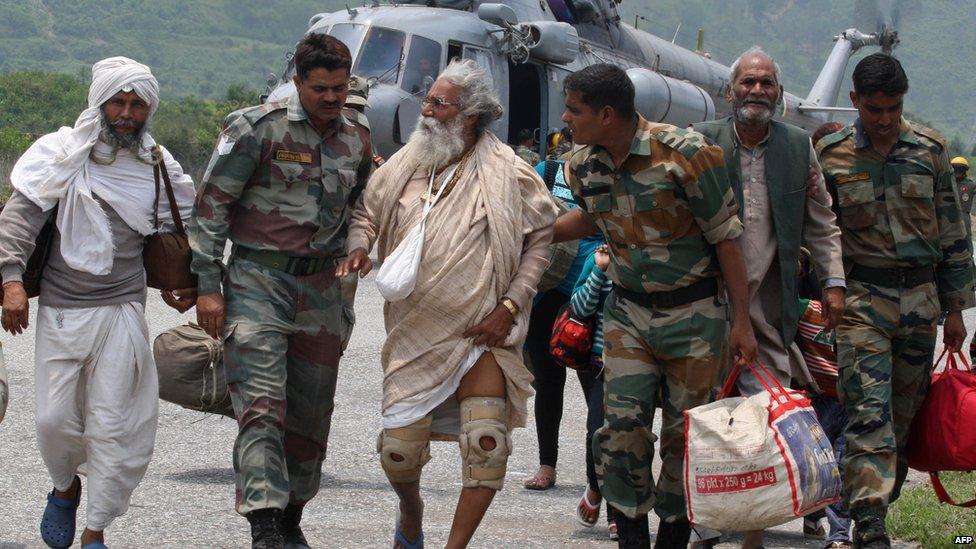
58, 520
94, 545
585, 509
541, 480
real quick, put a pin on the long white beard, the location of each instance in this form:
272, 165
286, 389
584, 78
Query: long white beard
437, 143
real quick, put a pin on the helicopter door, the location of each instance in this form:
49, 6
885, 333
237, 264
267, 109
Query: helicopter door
485, 60
525, 100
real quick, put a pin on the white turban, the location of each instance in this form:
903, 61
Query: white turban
55, 169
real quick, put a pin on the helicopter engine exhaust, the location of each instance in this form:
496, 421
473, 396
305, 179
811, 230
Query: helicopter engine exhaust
662, 99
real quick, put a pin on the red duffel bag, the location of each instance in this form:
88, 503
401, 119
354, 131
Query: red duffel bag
943, 435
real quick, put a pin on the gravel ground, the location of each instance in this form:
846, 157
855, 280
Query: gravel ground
186, 499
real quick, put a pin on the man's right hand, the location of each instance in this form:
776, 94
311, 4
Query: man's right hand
15, 308
358, 261
210, 314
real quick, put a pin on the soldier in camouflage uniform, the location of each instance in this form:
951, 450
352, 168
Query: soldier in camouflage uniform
281, 185
669, 217
966, 188
907, 258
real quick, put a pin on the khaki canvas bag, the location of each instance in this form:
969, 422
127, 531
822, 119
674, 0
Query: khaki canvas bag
190, 366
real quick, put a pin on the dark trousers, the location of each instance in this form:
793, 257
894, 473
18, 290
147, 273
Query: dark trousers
591, 380
833, 420
550, 378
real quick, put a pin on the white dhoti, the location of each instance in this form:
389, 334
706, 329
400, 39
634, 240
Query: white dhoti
97, 402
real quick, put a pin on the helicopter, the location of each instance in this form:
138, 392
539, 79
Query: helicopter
528, 48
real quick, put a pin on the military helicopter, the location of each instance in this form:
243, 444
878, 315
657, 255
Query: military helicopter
529, 47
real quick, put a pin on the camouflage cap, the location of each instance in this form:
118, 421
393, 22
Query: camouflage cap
358, 91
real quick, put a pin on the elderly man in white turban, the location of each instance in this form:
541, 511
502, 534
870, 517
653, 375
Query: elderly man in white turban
456, 322
95, 380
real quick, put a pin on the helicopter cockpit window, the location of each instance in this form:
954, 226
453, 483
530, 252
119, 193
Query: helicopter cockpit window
423, 61
381, 55
350, 35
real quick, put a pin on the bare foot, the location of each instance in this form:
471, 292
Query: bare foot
544, 479
91, 536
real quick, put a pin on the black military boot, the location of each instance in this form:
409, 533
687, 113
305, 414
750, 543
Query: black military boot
633, 532
673, 535
266, 529
869, 530
290, 529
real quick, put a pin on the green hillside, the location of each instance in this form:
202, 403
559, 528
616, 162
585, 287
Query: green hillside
200, 48
938, 44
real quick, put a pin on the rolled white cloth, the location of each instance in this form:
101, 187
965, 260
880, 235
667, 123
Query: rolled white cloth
55, 169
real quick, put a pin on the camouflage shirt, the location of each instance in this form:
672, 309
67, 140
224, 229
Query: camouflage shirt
274, 183
900, 211
662, 210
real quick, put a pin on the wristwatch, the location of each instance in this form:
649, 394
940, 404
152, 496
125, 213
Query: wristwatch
511, 306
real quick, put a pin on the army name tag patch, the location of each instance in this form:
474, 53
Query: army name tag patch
291, 156
854, 177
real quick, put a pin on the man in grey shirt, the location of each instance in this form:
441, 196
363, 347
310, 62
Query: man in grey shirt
95, 380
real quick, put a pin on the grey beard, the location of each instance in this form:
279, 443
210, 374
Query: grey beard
119, 141
437, 143
744, 115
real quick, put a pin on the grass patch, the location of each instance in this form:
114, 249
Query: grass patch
918, 516
6, 164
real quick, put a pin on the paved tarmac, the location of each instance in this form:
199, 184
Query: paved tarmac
186, 499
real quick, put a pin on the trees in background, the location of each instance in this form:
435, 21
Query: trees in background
35, 103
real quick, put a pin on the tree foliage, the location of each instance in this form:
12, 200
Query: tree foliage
35, 103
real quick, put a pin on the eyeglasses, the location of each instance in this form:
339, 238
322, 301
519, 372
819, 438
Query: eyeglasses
437, 102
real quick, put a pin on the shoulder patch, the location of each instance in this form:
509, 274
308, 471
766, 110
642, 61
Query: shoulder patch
832, 139
929, 133
687, 142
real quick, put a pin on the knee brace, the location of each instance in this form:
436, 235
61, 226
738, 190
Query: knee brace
405, 450
485, 442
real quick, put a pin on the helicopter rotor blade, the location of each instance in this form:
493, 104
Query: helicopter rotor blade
881, 16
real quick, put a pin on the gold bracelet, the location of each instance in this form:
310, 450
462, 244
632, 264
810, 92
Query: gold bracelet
511, 306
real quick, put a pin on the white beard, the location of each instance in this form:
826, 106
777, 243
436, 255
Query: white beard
437, 143
744, 115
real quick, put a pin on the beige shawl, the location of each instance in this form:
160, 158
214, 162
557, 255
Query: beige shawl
472, 249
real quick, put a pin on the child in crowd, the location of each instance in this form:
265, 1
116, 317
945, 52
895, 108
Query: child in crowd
590, 293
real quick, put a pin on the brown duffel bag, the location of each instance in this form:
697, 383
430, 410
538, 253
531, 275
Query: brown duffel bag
166, 256
38, 259
190, 367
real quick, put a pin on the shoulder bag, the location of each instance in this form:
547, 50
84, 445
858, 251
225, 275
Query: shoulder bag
166, 256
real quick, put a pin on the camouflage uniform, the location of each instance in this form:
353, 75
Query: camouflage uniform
661, 213
894, 213
967, 192
528, 155
283, 194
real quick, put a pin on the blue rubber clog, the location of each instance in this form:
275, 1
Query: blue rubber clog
58, 521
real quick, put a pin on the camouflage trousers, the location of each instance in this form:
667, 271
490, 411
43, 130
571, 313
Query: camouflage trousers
281, 354
884, 353
669, 354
